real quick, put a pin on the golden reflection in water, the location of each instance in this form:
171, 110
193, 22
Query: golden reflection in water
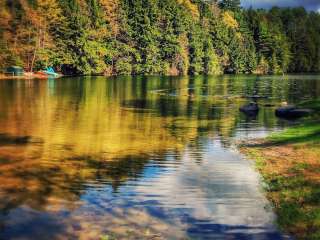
70, 136
90, 126
71, 141
56, 137
59, 135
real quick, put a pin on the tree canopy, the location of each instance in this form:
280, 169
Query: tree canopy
157, 37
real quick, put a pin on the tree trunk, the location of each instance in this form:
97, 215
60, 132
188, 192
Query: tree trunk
38, 45
33, 60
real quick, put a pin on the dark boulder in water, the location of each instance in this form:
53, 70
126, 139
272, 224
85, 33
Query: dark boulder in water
268, 105
250, 109
8, 140
292, 112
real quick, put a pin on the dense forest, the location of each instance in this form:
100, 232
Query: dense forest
169, 37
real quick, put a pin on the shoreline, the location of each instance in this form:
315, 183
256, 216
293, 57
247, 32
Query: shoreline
29, 76
289, 163
26, 77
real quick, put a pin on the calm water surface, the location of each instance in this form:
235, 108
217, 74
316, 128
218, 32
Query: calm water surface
137, 158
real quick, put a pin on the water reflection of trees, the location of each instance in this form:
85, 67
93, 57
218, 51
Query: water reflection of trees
28, 179
91, 129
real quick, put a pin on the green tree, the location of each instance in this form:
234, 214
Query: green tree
233, 5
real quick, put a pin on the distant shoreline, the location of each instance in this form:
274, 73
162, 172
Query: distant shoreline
24, 77
39, 77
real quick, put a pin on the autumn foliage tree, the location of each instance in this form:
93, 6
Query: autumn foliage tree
169, 37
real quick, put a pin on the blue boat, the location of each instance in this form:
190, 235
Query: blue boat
50, 71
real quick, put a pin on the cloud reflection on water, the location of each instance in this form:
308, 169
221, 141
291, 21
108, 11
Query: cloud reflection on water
84, 157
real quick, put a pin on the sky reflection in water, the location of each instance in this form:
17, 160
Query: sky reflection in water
136, 158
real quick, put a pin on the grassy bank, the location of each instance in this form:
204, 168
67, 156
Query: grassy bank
289, 162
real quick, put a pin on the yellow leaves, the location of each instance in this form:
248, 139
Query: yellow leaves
229, 20
31, 14
5, 17
239, 36
46, 12
193, 8
110, 8
31, 35
50, 10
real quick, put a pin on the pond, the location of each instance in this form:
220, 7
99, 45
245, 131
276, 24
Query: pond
137, 157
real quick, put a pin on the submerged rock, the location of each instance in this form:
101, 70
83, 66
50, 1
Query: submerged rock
250, 109
268, 105
256, 97
292, 112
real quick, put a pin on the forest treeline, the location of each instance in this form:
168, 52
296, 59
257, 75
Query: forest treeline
169, 37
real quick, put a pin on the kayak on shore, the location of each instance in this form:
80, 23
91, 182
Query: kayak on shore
49, 72
43, 74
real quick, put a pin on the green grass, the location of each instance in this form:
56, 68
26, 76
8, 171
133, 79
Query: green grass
295, 198
305, 133
313, 104
309, 132
289, 162
297, 204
